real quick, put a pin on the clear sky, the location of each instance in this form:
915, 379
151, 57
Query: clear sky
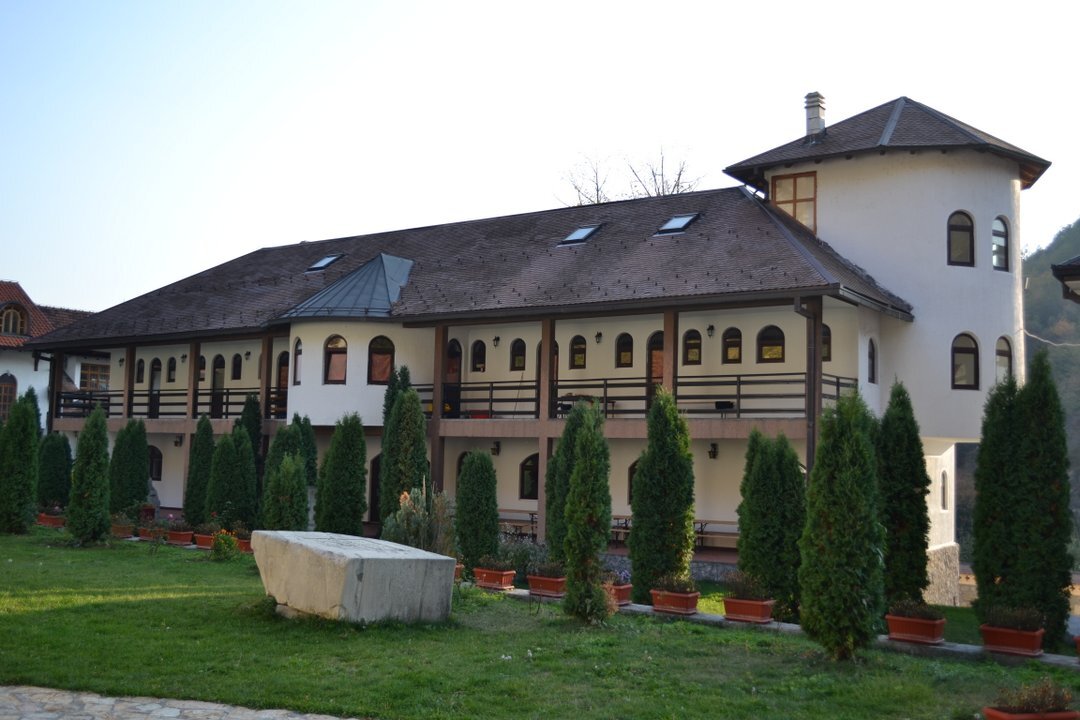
142, 142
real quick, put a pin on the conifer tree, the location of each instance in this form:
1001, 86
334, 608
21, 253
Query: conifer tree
772, 514
200, 461
54, 470
88, 510
251, 421
342, 494
309, 449
404, 455
477, 509
32, 401
662, 540
18, 467
129, 468
904, 485
557, 482
1043, 518
841, 575
230, 493
284, 505
287, 441
588, 520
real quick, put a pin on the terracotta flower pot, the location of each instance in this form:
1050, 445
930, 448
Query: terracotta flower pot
553, 587
675, 603
753, 611
122, 531
992, 713
244, 545
916, 630
180, 537
494, 579
203, 542
1012, 642
54, 521
148, 533
458, 569
619, 594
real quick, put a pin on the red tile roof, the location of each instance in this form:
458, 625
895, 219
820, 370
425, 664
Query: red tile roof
38, 323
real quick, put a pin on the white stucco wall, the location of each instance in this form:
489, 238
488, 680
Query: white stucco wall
20, 364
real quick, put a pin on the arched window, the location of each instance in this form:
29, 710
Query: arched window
9, 392
826, 343
237, 367
1004, 358
380, 360
1001, 244
336, 355
732, 346
140, 371
478, 362
298, 351
170, 373
770, 345
517, 355
871, 362
961, 239
530, 477
202, 368
965, 363
155, 464
691, 348
12, 321
624, 351
578, 349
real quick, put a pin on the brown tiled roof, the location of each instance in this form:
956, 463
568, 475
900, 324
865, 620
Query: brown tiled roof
738, 250
59, 317
38, 323
902, 124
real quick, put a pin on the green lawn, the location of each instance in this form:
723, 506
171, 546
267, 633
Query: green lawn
123, 620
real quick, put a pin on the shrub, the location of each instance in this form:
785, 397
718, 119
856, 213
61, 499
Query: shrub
88, 510
742, 585
662, 542
422, 522
341, 500
772, 514
284, 505
224, 546
18, 467
841, 571
1042, 697
1027, 619
477, 509
404, 462
915, 609
903, 486
309, 448
54, 470
675, 582
129, 468
251, 421
231, 491
588, 521
200, 461
557, 482
287, 441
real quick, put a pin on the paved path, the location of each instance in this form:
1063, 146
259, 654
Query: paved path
34, 703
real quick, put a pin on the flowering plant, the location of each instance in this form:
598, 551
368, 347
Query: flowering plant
177, 524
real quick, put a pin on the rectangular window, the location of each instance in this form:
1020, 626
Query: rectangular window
797, 196
94, 377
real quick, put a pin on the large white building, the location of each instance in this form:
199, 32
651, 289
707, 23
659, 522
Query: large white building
883, 247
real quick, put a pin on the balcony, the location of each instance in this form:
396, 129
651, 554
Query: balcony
217, 404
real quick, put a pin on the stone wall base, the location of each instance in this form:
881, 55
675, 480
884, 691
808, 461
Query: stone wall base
943, 567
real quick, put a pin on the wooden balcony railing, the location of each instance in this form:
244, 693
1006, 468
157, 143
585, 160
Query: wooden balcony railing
217, 404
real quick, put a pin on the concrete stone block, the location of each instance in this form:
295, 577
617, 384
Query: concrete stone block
343, 577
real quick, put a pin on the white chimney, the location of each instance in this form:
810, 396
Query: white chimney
815, 114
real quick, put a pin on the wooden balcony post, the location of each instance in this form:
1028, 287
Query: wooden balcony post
547, 361
265, 372
671, 350
56, 385
812, 310
129, 381
194, 350
435, 438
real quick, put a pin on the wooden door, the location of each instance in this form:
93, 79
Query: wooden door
655, 368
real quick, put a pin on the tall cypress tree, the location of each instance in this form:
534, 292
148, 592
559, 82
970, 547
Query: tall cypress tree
477, 509
230, 494
904, 485
129, 468
588, 520
54, 470
557, 482
841, 575
1044, 522
284, 504
342, 496
200, 461
32, 402
404, 462
88, 511
287, 441
18, 467
310, 450
251, 421
662, 539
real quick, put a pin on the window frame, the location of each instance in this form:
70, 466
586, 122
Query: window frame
579, 353
13, 321
762, 344
236, 367
956, 354
999, 230
91, 375
156, 462
871, 361
478, 356
826, 343
9, 394
518, 350
691, 336
534, 470
298, 352
968, 230
1006, 353
731, 339
330, 362
624, 350
140, 371
381, 351
170, 370
796, 200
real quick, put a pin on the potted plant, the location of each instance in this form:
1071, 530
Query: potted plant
243, 536
204, 534
178, 531
618, 587
493, 573
675, 594
746, 600
121, 525
915, 621
547, 579
150, 529
1013, 630
51, 515
1042, 701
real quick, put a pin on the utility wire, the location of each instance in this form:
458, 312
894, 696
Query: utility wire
1050, 342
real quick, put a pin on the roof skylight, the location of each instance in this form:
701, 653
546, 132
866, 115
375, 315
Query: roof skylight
677, 224
580, 235
325, 262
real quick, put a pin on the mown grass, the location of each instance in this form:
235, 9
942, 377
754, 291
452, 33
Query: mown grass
121, 620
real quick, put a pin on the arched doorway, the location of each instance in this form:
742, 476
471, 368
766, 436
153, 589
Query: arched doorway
217, 388
279, 405
374, 481
452, 381
554, 375
655, 366
154, 400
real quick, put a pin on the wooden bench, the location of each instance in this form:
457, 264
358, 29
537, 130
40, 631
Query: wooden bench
518, 522
620, 528
726, 535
